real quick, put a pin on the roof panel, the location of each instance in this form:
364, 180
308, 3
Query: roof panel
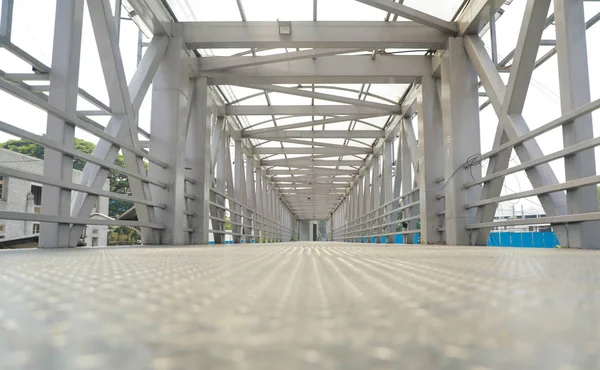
271, 10
205, 10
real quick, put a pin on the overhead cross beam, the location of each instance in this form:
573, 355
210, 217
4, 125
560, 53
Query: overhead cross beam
347, 151
320, 134
310, 162
412, 14
398, 69
322, 96
300, 110
320, 122
215, 64
322, 34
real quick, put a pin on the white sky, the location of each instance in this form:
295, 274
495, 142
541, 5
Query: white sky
33, 31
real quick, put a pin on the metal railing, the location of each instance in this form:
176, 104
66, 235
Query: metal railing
384, 220
23, 87
253, 225
560, 154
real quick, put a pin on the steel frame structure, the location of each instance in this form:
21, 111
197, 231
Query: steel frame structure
211, 174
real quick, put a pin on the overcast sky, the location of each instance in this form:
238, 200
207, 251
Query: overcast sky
33, 32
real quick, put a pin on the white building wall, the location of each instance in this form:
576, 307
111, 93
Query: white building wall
17, 190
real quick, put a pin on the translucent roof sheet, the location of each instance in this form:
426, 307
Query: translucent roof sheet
303, 10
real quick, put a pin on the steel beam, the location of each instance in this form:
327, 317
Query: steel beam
94, 175
404, 11
214, 64
300, 110
398, 69
460, 117
360, 35
316, 95
63, 96
320, 122
431, 160
319, 134
477, 15
154, 15
313, 151
574, 81
197, 149
311, 162
107, 42
6, 16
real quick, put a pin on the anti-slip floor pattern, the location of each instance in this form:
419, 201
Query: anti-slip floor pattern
300, 306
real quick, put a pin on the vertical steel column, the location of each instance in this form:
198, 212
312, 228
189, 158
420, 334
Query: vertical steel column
259, 211
64, 79
574, 80
221, 162
398, 176
6, 18
367, 204
250, 200
375, 198
197, 150
407, 178
460, 108
431, 159
386, 187
171, 95
361, 214
238, 189
268, 209
356, 233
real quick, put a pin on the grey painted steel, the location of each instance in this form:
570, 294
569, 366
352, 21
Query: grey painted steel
431, 159
6, 16
574, 82
64, 81
200, 170
412, 14
364, 35
477, 15
300, 110
95, 176
213, 64
172, 96
460, 115
329, 97
513, 125
397, 69
306, 134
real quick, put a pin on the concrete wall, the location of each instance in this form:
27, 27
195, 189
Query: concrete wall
16, 198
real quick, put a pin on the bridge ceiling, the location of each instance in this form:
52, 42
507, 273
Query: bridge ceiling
314, 105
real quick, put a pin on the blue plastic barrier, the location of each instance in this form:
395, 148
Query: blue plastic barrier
523, 239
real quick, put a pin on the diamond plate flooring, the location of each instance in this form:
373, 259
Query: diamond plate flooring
300, 306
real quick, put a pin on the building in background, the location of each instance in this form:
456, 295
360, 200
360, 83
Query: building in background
18, 195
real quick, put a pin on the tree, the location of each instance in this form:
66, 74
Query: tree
118, 182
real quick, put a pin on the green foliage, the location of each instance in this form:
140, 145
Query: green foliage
24, 147
118, 182
228, 224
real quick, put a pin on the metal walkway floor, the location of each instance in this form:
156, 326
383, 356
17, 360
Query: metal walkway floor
300, 306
